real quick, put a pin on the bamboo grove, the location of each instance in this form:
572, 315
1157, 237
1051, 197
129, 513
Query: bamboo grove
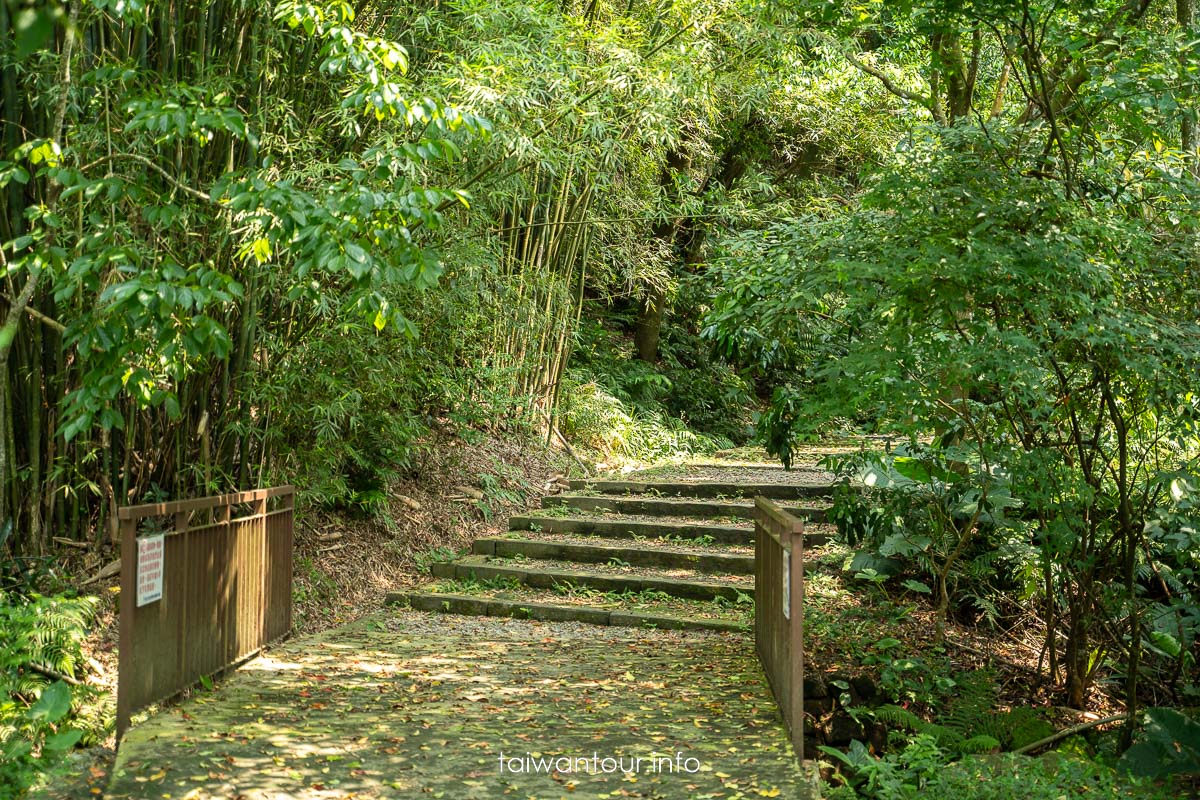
204, 203
147, 240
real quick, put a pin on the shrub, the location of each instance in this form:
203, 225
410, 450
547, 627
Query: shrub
36, 722
604, 423
921, 770
1049, 777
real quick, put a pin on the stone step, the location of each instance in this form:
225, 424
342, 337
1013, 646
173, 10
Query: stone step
495, 607
617, 528
648, 556
653, 506
705, 489
483, 568
620, 528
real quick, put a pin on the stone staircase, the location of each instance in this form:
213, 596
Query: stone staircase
671, 553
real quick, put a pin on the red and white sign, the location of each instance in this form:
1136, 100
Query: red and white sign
149, 569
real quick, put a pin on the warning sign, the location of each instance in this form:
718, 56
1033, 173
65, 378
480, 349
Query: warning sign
149, 569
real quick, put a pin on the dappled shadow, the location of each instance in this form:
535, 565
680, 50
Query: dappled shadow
370, 712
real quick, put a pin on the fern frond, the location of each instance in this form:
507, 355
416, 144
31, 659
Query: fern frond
979, 744
899, 717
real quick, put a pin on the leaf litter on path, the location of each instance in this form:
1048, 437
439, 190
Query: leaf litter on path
406, 704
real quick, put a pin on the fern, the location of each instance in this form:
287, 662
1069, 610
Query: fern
971, 714
969, 724
975, 699
41, 631
981, 743
899, 717
896, 716
39, 719
1016, 728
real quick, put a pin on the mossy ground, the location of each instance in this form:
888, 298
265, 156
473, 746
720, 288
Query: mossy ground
395, 706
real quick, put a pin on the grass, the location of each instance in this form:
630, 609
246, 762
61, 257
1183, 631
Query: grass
558, 511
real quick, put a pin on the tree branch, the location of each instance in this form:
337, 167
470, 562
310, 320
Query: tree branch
54, 674
33, 312
1071, 731
171, 179
925, 101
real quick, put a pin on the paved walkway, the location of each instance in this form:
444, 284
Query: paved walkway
412, 705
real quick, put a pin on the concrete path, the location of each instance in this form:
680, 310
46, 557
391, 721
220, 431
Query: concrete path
406, 704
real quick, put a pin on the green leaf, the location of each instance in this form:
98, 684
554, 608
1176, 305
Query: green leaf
1166, 643
60, 742
54, 703
47, 152
32, 27
912, 469
261, 250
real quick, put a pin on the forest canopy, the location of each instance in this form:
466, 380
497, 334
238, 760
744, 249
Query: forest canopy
248, 242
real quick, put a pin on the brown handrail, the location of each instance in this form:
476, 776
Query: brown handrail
778, 611
202, 503
226, 592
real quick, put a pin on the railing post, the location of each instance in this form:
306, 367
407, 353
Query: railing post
796, 635
288, 501
779, 611
128, 607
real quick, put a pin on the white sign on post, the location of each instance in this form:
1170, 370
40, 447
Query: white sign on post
787, 585
149, 569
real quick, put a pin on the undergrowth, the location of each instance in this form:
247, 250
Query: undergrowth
45, 710
594, 418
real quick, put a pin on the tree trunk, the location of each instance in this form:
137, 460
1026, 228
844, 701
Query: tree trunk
1077, 654
686, 237
649, 326
1185, 14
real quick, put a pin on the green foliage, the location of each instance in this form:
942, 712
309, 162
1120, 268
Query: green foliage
1037, 391
353, 404
1049, 777
900, 775
688, 384
923, 770
214, 213
436, 555
932, 510
1173, 534
907, 679
1168, 745
603, 423
966, 719
336, 235
36, 721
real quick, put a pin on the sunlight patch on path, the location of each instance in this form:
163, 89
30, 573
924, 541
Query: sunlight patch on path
392, 707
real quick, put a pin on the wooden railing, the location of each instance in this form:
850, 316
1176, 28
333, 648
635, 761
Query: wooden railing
778, 615
204, 584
